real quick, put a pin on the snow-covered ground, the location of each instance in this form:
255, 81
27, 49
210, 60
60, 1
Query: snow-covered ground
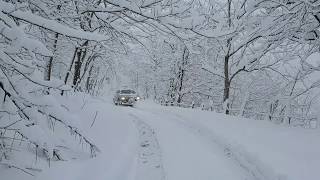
266, 150
156, 142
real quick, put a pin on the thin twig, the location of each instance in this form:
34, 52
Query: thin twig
94, 120
13, 166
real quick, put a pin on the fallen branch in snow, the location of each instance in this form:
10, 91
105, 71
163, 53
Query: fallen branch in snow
16, 167
93, 148
7, 126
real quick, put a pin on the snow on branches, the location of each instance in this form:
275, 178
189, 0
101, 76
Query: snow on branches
29, 109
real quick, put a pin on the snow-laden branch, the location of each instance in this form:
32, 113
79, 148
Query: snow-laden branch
48, 24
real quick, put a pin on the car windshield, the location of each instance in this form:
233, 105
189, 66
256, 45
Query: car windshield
127, 91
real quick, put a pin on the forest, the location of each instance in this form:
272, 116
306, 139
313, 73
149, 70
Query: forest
257, 59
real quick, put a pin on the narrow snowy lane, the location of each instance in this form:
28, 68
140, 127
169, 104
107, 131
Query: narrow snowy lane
186, 155
152, 142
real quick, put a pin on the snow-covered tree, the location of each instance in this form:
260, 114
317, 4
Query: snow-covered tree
28, 111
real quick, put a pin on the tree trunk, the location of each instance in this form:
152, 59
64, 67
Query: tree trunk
70, 67
48, 70
77, 67
226, 91
227, 82
182, 74
78, 64
88, 82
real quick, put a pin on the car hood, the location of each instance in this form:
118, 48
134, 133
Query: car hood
128, 95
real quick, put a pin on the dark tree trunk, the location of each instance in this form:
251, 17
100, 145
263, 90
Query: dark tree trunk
77, 67
78, 64
182, 73
226, 92
48, 71
89, 84
227, 82
70, 67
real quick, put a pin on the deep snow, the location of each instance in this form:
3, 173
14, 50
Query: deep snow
157, 142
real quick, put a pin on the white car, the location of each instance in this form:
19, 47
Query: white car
125, 97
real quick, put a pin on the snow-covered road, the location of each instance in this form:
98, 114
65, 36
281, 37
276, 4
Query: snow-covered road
167, 143
194, 152
188, 156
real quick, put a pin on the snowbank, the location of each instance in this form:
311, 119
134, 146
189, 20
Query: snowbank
287, 151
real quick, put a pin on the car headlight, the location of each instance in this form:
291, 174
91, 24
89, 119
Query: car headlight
122, 98
138, 98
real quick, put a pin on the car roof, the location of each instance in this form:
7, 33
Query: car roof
126, 91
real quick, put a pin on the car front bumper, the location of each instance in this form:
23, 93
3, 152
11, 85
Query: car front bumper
128, 102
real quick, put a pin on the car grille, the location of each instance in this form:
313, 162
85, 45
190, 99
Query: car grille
126, 99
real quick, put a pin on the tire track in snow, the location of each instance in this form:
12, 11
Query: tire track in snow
149, 155
255, 169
